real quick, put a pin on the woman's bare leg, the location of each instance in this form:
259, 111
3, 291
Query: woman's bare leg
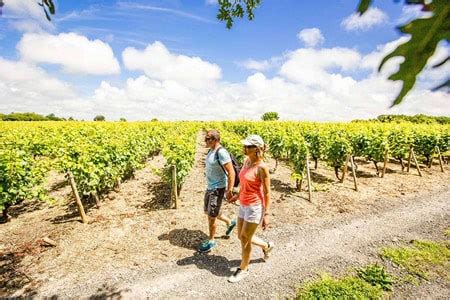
246, 235
260, 242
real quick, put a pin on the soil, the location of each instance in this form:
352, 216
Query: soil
136, 245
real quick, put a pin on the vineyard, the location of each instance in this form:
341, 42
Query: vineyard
99, 156
128, 175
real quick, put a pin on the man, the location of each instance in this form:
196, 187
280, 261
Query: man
219, 184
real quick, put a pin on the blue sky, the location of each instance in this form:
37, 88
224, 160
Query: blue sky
195, 68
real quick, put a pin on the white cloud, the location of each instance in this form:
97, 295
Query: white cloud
21, 75
26, 15
372, 60
311, 67
74, 52
158, 63
311, 37
28, 88
432, 77
429, 78
211, 2
255, 65
411, 12
262, 65
311, 84
23, 8
371, 18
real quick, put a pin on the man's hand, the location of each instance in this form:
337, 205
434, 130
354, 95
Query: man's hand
229, 195
233, 199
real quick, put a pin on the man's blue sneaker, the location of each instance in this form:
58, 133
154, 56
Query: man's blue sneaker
207, 245
230, 227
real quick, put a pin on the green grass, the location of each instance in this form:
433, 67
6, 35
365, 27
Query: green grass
422, 258
377, 276
345, 288
447, 232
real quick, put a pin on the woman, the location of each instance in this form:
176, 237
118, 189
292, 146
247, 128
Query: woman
254, 197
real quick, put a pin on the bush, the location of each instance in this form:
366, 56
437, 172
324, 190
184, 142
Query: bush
270, 116
99, 118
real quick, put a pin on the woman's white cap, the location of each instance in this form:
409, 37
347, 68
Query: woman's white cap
253, 140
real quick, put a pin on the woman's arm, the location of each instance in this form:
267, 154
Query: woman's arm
236, 196
265, 179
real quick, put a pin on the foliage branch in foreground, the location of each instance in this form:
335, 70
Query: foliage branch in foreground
426, 33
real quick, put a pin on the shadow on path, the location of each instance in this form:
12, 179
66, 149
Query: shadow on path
13, 276
108, 292
282, 187
160, 196
185, 238
216, 264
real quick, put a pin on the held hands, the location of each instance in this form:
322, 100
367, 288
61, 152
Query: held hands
229, 195
265, 222
232, 199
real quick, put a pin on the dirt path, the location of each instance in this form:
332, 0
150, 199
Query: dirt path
136, 246
301, 252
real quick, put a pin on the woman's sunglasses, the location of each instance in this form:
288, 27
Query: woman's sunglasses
251, 146
207, 139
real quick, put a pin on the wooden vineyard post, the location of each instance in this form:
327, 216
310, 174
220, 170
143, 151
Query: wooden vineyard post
298, 184
431, 158
385, 163
440, 158
117, 187
77, 198
175, 187
354, 173
97, 200
409, 158
415, 161
345, 168
308, 176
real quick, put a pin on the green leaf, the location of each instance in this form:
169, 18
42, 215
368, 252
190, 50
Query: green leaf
50, 5
228, 11
425, 35
364, 6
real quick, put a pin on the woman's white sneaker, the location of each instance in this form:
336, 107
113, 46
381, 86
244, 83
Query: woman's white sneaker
268, 252
238, 275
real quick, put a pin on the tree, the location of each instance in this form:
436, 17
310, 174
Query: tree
270, 116
99, 118
52, 117
122, 120
425, 33
24, 117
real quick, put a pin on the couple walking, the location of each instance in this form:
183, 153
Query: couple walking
254, 196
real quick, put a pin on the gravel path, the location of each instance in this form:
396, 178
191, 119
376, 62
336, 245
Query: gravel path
301, 252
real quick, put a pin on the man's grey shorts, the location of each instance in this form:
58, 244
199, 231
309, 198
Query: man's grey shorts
213, 201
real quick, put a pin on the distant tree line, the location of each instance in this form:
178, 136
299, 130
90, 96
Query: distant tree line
418, 119
268, 116
30, 116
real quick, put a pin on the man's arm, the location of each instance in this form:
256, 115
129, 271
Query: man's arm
231, 175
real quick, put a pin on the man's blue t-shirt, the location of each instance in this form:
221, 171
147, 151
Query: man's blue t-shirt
215, 176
